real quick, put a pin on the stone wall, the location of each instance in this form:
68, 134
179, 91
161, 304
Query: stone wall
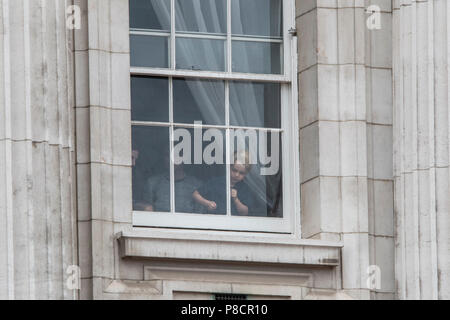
422, 135
103, 140
65, 198
345, 106
104, 193
37, 194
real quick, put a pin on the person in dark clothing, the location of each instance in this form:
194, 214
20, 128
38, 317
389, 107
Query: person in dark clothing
157, 192
212, 195
139, 203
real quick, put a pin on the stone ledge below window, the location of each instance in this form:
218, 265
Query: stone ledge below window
156, 244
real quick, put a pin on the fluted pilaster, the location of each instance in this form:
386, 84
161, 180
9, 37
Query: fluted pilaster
37, 211
421, 150
345, 109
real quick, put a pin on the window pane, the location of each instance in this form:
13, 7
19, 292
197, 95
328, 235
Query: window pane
200, 54
199, 157
150, 14
151, 171
256, 57
257, 17
148, 51
208, 16
256, 173
255, 104
196, 100
149, 99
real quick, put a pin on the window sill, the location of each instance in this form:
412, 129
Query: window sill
209, 246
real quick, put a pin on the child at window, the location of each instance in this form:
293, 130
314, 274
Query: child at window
212, 195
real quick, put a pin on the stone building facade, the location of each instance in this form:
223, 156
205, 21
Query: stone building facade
372, 167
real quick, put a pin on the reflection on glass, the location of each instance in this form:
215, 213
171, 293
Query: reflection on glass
150, 14
149, 99
151, 171
196, 100
256, 57
148, 51
200, 54
199, 156
257, 17
207, 16
255, 104
260, 185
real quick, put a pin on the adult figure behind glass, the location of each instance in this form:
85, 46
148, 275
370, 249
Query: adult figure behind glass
157, 189
139, 177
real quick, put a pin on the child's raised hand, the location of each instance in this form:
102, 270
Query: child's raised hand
212, 206
234, 193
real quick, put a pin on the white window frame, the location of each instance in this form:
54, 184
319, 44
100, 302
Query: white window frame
290, 222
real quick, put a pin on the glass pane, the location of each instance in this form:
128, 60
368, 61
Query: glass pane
255, 104
151, 170
256, 173
207, 16
149, 99
257, 17
257, 57
150, 14
200, 54
148, 51
199, 160
201, 101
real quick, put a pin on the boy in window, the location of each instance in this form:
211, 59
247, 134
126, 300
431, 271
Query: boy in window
212, 195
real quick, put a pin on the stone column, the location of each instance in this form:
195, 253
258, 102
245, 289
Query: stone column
345, 108
421, 157
103, 113
37, 211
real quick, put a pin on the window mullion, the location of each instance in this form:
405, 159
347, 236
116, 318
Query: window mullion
171, 147
145, 32
227, 145
172, 36
227, 109
205, 126
229, 51
201, 36
256, 39
214, 75
171, 133
288, 22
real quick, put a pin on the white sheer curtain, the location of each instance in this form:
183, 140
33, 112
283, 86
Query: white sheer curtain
207, 97
162, 10
256, 18
202, 16
247, 102
205, 16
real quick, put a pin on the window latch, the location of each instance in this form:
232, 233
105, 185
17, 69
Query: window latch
293, 32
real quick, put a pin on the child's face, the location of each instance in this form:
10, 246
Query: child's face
237, 173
